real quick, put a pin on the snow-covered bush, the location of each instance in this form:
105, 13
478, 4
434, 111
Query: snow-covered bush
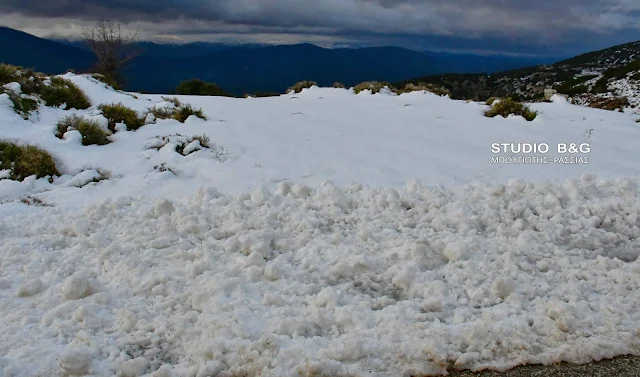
185, 111
119, 113
173, 109
21, 161
92, 132
507, 106
299, 86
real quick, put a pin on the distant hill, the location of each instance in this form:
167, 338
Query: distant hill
608, 78
46, 56
247, 68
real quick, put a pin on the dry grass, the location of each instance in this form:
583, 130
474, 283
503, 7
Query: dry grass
26, 160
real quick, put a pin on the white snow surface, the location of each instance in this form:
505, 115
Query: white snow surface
321, 234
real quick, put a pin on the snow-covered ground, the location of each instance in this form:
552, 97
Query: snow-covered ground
324, 234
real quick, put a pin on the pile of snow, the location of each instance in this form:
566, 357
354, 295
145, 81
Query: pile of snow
142, 268
327, 281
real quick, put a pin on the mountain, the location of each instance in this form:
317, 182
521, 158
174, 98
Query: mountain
170, 50
608, 78
26, 50
245, 68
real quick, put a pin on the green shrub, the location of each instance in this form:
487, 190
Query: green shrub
508, 106
26, 160
119, 113
374, 86
183, 112
61, 91
297, 87
22, 105
338, 85
92, 133
197, 87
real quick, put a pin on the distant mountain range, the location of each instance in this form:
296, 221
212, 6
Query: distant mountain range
608, 79
249, 68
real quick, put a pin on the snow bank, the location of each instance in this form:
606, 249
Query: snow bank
337, 280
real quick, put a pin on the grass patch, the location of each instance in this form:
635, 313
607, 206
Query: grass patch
197, 87
92, 133
63, 92
508, 106
373, 86
338, 85
299, 86
615, 103
26, 160
119, 113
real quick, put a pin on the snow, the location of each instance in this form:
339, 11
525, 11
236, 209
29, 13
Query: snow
327, 234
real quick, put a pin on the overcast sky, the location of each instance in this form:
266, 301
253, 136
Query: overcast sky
555, 27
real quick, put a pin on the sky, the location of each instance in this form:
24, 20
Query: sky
551, 27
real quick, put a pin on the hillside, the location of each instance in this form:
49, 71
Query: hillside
318, 234
244, 69
608, 79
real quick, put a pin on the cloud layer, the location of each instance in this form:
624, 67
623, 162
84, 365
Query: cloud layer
542, 22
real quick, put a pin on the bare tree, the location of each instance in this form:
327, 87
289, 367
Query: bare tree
112, 48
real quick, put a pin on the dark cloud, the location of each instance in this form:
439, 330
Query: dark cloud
554, 23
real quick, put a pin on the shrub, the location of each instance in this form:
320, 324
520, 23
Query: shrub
338, 85
92, 133
183, 112
30, 82
202, 139
63, 92
508, 106
615, 103
374, 86
25, 161
162, 112
9, 73
197, 87
119, 113
297, 87
421, 86
22, 105
491, 100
